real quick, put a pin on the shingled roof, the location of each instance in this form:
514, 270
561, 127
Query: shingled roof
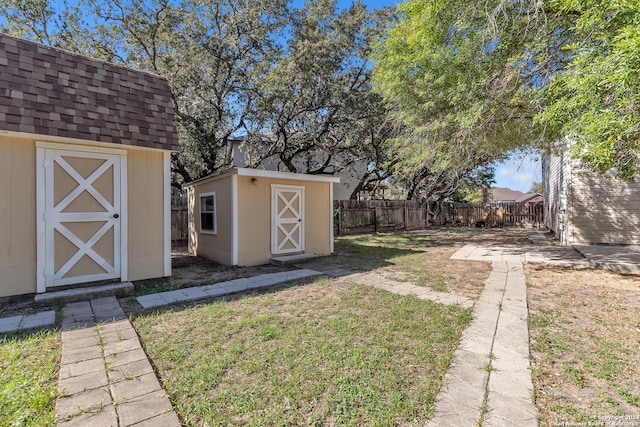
50, 91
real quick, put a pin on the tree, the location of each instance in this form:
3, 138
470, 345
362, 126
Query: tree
296, 81
536, 187
212, 53
497, 75
317, 111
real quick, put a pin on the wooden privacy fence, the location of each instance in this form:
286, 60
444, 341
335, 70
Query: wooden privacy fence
179, 215
367, 216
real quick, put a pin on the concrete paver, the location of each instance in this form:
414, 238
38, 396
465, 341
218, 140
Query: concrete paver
10, 324
28, 321
104, 369
623, 259
496, 337
223, 288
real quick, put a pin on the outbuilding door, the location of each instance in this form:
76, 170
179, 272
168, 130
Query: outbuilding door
287, 204
82, 219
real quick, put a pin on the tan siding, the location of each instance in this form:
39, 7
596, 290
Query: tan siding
254, 220
145, 214
254, 214
212, 246
17, 216
552, 178
602, 209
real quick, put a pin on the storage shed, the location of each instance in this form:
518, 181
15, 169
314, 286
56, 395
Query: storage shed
247, 217
85, 170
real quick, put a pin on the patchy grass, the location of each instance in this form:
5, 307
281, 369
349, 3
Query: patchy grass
419, 258
584, 328
29, 364
324, 353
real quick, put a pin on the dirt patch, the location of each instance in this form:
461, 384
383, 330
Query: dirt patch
584, 329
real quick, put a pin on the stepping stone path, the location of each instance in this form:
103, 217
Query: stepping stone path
489, 381
105, 376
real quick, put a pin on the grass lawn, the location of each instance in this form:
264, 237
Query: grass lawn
327, 352
29, 364
419, 258
584, 328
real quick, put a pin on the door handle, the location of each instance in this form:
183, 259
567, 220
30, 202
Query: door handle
116, 216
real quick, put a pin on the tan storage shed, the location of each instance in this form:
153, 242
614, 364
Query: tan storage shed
247, 217
85, 151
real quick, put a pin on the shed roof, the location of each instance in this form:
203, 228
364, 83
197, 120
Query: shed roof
50, 91
262, 173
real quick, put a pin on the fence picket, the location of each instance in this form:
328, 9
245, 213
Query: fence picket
365, 216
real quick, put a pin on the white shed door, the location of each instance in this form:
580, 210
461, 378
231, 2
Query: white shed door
287, 204
82, 216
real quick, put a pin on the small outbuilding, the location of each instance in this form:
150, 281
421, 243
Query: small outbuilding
246, 217
85, 150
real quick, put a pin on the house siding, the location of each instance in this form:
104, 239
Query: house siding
18, 242
553, 186
254, 216
599, 209
212, 246
17, 216
145, 214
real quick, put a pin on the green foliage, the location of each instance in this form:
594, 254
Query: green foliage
536, 187
595, 97
295, 80
29, 378
492, 75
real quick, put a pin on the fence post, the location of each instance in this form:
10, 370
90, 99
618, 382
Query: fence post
406, 215
375, 220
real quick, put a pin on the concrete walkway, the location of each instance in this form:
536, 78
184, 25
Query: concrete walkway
489, 381
105, 376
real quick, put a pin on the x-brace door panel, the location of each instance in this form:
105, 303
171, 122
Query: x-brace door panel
81, 217
287, 235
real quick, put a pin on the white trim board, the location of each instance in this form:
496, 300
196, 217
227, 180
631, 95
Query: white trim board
166, 182
234, 220
262, 173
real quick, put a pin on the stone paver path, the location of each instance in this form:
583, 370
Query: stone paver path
105, 376
489, 380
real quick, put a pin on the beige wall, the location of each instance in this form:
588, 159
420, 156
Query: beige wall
601, 209
254, 215
145, 197
212, 246
552, 186
17, 216
18, 262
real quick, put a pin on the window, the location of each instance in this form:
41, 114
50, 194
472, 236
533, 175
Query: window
208, 220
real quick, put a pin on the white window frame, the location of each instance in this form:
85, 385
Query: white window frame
214, 212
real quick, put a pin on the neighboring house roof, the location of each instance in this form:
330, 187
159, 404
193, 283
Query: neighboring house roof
50, 91
509, 195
